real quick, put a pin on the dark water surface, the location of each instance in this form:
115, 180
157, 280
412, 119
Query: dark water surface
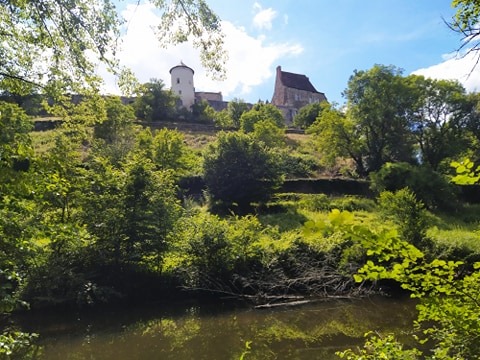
219, 331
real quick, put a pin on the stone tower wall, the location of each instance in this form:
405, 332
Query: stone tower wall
182, 84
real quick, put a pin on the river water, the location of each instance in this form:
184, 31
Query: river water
219, 331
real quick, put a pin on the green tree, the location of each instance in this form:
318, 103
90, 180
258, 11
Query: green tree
166, 149
58, 44
222, 119
171, 153
118, 120
378, 105
307, 115
473, 124
408, 213
440, 118
102, 211
429, 186
239, 171
209, 250
19, 217
465, 23
114, 138
16, 150
202, 112
269, 133
154, 103
260, 112
150, 210
336, 135
235, 110
64, 177
447, 325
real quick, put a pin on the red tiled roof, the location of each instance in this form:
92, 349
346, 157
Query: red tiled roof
297, 81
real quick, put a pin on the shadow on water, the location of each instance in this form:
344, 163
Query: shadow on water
215, 331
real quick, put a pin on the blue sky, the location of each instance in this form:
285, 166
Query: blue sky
325, 40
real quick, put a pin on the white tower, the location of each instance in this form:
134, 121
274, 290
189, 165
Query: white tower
182, 84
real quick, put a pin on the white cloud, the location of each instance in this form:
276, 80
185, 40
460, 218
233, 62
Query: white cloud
251, 60
455, 68
264, 17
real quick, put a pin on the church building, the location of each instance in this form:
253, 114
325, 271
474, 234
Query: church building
293, 91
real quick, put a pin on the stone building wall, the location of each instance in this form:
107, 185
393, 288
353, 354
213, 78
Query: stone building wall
208, 96
298, 98
292, 92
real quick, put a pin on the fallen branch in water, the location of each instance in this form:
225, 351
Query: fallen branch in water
283, 304
299, 302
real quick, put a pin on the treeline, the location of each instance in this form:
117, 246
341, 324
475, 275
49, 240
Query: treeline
393, 118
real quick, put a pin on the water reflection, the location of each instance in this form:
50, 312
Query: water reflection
313, 331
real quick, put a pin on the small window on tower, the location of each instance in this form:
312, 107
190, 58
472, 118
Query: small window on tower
179, 92
178, 80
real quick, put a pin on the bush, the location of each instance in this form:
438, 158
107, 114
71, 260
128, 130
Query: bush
239, 171
260, 112
429, 186
209, 249
407, 213
296, 165
315, 202
307, 115
352, 203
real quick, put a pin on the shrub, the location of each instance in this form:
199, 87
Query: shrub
407, 213
352, 203
307, 115
297, 165
429, 186
209, 249
315, 202
239, 171
258, 113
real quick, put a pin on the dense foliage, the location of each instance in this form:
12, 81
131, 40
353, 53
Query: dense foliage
97, 215
307, 115
261, 112
428, 121
55, 46
154, 102
239, 171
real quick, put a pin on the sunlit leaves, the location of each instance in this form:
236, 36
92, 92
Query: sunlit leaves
184, 20
56, 45
465, 22
47, 43
16, 344
449, 302
466, 172
15, 142
379, 347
